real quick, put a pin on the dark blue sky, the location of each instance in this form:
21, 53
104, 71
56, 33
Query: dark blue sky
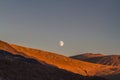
84, 25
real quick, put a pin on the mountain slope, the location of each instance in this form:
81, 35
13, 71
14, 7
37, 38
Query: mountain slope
62, 62
86, 56
5, 46
16, 67
112, 60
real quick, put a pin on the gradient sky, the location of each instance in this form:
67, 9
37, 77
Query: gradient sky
84, 25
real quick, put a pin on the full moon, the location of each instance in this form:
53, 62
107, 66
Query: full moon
61, 43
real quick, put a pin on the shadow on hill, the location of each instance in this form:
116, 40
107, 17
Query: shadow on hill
113, 77
16, 67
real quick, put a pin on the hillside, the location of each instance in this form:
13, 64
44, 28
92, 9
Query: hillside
16, 67
63, 62
60, 61
86, 56
5, 46
112, 60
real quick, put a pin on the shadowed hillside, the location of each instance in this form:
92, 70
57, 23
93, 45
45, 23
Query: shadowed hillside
113, 77
16, 67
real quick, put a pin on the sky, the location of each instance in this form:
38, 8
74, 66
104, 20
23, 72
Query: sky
85, 26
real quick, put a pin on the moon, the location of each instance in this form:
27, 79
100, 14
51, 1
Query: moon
61, 43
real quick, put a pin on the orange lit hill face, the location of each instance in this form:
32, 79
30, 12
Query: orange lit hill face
5, 46
17, 67
60, 61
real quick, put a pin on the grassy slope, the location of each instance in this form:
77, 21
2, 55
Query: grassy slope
63, 62
60, 61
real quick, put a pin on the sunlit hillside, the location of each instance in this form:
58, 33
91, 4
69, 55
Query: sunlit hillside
60, 61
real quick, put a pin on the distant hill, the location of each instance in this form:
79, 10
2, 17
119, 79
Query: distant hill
112, 60
86, 56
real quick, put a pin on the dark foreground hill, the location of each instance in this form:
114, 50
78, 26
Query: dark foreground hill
16, 67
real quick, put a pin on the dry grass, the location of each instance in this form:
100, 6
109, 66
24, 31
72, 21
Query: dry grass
60, 61
63, 62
